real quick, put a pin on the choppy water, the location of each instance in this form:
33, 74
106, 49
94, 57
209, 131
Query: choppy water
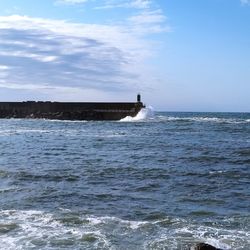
163, 182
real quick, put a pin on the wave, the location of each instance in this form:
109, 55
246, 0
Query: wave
43, 230
14, 131
148, 114
143, 115
40, 230
7, 132
202, 119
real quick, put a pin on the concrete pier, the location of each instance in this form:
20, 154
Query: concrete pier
70, 110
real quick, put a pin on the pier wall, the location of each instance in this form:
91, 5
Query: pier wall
69, 110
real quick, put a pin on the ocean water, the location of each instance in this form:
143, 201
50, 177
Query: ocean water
157, 181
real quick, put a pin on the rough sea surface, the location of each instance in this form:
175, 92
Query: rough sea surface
153, 182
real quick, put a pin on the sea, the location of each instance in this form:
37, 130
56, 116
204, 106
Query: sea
160, 180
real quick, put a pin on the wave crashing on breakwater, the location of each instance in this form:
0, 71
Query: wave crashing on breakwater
144, 115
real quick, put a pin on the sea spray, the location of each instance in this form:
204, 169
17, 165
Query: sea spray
144, 114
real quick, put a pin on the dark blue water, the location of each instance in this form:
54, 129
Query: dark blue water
163, 182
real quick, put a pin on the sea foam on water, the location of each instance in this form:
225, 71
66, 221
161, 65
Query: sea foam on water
43, 230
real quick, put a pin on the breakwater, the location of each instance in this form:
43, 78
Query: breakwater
70, 110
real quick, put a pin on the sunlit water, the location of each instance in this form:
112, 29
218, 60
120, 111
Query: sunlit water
162, 181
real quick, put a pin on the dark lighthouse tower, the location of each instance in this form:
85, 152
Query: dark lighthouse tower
139, 97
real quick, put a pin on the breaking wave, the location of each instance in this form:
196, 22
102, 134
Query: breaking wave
144, 114
149, 114
202, 119
41, 230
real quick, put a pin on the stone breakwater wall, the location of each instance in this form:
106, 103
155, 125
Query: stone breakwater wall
69, 110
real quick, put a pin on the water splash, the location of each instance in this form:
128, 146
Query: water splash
144, 114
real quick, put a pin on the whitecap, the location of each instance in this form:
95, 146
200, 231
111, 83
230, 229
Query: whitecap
203, 119
129, 224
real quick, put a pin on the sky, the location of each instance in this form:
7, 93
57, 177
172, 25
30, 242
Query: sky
181, 55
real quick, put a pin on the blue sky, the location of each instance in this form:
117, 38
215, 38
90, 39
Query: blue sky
180, 55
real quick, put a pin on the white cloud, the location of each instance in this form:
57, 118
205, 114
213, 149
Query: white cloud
140, 4
49, 54
148, 17
3, 67
137, 4
35, 56
245, 1
71, 1
149, 22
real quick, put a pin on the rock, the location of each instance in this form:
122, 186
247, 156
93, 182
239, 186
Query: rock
204, 246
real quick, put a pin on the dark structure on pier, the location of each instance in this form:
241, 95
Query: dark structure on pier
71, 110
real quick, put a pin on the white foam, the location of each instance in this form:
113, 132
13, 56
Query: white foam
144, 114
23, 131
109, 219
203, 119
8, 189
46, 228
65, 121
210, 235
217, 172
